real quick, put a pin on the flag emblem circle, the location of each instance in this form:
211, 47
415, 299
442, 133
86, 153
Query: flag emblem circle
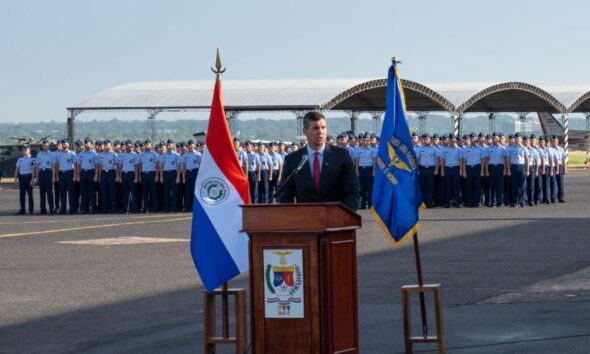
214, 191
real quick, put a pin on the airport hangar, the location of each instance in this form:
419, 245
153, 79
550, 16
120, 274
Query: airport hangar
353, 96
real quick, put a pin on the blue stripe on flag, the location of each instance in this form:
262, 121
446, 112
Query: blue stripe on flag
209, 252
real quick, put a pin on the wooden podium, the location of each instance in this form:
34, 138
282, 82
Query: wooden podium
303, 287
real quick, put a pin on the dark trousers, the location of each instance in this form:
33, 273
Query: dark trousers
56, 195
24, 186
464, 190
439, 190
180, 195
473, 185
545, 185
98, 196
366, 183
87, 193
118, 196
107, 191
507, 190
128, 186
66, 190
150, 195
559, 179
189, 189
253, 182
170, 191
485, 189
76, 203
263, 187
272, 185
552, 188
452, 186
496, 184
537, 183
518, 173
45, 192
160, 194
427, 185
530, 184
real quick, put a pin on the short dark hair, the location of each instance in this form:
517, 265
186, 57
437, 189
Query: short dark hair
313, 116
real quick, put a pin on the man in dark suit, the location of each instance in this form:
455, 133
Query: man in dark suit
328, 176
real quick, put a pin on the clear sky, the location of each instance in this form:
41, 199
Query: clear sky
56, 53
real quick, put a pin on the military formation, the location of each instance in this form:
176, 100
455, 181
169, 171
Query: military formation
109, 177
136, 177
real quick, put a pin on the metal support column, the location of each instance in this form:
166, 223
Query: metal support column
70, 128
422, 122
456, 119
377, 122
566, 134
299, 115
354, 117
151, 124
492, 123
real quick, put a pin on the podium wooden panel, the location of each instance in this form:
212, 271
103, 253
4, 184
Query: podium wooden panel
326, 234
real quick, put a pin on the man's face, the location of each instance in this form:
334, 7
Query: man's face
261, 148
191, 147
88, 145
282, 148
555, 142
436, 141
236, 145
525, 142
249, 148
169, 147
452, 142
45, 147
108, 146
511, 141
481, 140
294, 148
128, 147
316, 132
518, 140
65, 146
415, 139
58, 146
542, 143
534, 142
148, 147
26, 151
495, 140
426, 141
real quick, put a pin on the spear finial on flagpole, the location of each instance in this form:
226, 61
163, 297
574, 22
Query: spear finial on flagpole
395, 61
218, 68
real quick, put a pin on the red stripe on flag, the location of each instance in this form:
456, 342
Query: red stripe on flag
219, 144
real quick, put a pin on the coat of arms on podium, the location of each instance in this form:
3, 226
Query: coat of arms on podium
283, 283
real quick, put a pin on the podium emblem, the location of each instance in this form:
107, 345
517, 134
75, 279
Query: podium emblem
214, 191
283, 288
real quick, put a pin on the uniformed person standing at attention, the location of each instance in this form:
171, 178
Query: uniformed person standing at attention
266, 171
242, 158
160, 175
473, 171
87, 161
191, 162
45, 161
127, 164
78, 149
277, 169
560, 169
117, 149
171, 175
254, 171
365, 162
108, 176
531, 169
507, 175
55, 179
554, 163
147, 165
545, 170
518, 170
485, 178
65, 165
24, 176
450, 159
99, 148
537, 170
427, 155
180, 150
495, 170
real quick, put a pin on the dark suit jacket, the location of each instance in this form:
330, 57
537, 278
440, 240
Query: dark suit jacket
338, 179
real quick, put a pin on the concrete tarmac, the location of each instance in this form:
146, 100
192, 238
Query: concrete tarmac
514, 280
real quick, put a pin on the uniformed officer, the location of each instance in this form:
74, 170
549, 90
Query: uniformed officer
495, 170
507, 177
160, 147
518, 171
473, 157
266, 171
147, 166
108, 177
485, 178
77, 150
190, 170
254, 171
24, 177
181, 150
277, 169
560, 169
117, 149
45, 161
531, 169
450, 158
537, 183
439, 195
138, 149
55, 179
242, 157
99, 148
427, 155
65, 165
554, 163
545, 170
415, 140
365, 166
87, 161
127, 174
171, 176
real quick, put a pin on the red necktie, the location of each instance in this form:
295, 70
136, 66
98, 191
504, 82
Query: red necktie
316, 171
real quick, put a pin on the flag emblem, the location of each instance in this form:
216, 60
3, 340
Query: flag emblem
214, 191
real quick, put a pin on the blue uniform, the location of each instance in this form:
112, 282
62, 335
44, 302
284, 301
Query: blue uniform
544, 172
45, 162
128, 162
192, 163
65, 162
107, 162
170, 162
253, 165
560, 177
264, 185
473, 156
365, 157
88, 159
496, 155
25, 165
276, 161
451, 157
517, 156
148, 160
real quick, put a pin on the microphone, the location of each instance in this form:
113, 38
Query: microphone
304, 159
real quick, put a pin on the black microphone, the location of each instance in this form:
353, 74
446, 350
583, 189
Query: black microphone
304, 159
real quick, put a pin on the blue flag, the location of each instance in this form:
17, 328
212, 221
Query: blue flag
396, 191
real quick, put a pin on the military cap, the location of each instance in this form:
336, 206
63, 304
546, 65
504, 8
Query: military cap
459, 138
235, 139
192, 142
426, 135
517, 135
532, 136
136, 144
181, 144
129, 142
247, 143
116, 142
547, 139
510, 136
78, 142
177, 145
25, 146
488, 136
414, 134
170, 141
465, 136
352, 137
451, 136
271, 144
147, 141
329, 137
494, 134
525, 137
45, 142
107, 141
554, 137
340, 136
434, 136
98, 142
501, 135
480, 135
472, 135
